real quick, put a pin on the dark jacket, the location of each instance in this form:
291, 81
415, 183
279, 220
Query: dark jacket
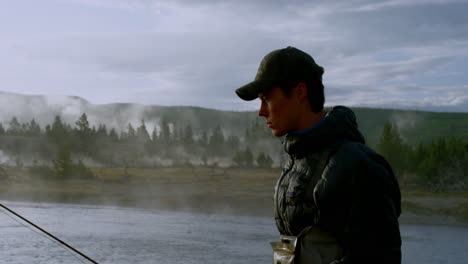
357, 198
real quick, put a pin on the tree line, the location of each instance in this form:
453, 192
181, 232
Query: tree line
167, 144
65, 148
440, 165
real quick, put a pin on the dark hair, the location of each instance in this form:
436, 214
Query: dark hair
315, 92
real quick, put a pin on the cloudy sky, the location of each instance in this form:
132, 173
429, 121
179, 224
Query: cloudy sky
395, 53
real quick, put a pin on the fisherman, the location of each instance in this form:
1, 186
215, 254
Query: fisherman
337, 200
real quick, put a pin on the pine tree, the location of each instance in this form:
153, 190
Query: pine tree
391, 146
268, 161
187, 139
58, 133
248, 157
83, 133
203, 140
113, 136
63, 164
154, 135
216, 142
233, 143
188, 135
33, 129
102, 131
142, 133
260, 159
181, 135
153, 147
264, 160
14, 128
82, 124
81, 171
131, 133
165, 135
244, 158
238, 159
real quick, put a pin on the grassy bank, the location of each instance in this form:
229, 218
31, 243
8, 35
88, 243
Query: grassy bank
208, 190
435, 208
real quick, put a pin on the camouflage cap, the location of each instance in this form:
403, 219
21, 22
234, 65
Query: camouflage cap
284, 65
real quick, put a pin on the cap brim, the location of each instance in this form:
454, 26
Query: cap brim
251, 90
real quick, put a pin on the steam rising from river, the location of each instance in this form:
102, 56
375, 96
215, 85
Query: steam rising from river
43, 110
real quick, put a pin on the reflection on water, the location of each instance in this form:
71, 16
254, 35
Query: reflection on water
122, 235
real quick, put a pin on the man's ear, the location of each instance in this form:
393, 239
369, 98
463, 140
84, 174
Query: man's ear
301, 91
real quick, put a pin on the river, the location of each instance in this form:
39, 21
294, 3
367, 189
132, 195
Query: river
127, 235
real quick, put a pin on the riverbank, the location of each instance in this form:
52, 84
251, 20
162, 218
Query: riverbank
231, 191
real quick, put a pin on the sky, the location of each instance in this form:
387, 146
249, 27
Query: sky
408, 54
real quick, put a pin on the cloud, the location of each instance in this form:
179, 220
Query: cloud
197, 52
162, 62
114, 4
376, 5
374, 73
452, 99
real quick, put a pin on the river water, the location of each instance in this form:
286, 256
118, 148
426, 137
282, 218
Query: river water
126, 235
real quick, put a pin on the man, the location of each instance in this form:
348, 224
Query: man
336, 198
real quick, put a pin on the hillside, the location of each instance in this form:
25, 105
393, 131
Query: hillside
414, 126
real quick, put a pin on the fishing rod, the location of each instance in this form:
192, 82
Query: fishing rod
47, 233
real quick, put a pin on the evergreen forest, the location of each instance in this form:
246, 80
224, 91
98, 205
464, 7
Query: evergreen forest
63, 151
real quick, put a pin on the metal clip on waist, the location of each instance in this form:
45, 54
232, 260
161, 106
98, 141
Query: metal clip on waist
284, 250
311, 246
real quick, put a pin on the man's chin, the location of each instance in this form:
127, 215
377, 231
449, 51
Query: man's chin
277, 133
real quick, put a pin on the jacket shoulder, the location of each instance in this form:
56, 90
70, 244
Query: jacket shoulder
354, 165
346, 158
355, 155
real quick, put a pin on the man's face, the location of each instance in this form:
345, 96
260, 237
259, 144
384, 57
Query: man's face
279, 110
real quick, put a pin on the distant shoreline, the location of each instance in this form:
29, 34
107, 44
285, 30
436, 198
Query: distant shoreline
233, 191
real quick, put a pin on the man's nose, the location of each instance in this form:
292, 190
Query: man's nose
262, 111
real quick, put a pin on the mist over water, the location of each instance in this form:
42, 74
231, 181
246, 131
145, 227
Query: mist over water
123, 235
